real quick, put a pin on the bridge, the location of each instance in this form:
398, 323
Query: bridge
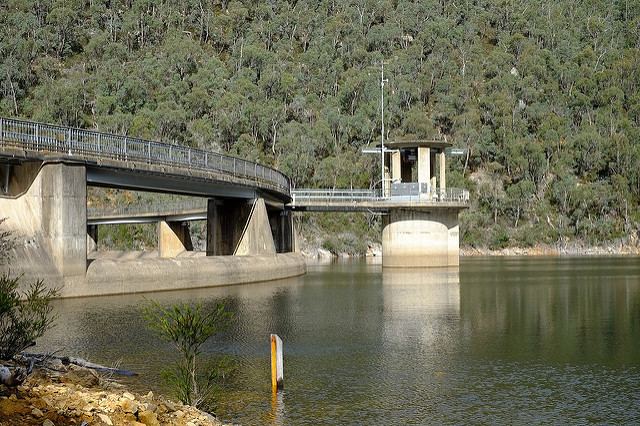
45, 170
302, 200
44, 174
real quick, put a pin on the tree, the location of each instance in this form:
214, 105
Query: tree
188, 327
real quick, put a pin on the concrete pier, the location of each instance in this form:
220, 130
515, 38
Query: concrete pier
420, 238
47, 212
173, 238
239, 228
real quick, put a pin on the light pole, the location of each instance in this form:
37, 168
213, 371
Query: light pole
382, 81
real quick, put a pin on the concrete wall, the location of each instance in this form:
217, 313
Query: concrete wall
109, 276
420, 238
49, 221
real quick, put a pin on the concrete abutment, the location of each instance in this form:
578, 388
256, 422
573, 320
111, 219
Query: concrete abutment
48, 216
420, 238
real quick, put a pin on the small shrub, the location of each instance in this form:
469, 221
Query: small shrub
499, 238
188, 327
24, 315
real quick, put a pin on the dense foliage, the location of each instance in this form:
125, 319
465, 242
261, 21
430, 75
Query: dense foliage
544, 95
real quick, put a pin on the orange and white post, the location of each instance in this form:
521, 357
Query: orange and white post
277, 364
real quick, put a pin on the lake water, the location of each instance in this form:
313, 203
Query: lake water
515, 340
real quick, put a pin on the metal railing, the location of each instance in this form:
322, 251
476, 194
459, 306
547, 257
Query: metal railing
412, 192
301, 197
156, 207
89, 144
342, 195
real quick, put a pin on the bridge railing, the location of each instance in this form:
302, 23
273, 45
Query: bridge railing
76, 143
336, 195
156, 207
301, 197
405, 193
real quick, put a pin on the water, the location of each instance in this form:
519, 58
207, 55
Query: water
542, 340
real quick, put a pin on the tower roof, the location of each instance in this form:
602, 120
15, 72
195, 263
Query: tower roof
414, 143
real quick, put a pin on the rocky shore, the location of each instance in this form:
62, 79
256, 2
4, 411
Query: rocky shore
558, 250
320, 255
58, 394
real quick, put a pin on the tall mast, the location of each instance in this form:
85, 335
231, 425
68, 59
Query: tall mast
382, 81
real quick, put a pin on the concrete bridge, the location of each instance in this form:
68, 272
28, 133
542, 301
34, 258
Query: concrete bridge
248, 208
44, 174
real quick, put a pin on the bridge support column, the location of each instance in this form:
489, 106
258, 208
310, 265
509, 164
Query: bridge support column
420, 238
173, 238
239, 228
281, 222
92, 238
48, 213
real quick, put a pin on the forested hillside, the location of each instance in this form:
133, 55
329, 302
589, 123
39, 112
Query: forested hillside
544, 95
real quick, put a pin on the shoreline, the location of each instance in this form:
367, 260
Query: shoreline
315, 254
57, 394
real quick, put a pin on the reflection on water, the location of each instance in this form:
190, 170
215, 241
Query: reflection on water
499, 340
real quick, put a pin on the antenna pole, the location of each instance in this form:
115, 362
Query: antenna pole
382, 81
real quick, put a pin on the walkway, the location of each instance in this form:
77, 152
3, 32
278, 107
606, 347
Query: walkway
138, 164
345, 200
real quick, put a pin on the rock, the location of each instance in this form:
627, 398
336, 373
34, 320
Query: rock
151, 407
149, 395
179, 414
130, 418
191, 424
324, 254
48, 422
148, 418
128, 406
10, 407
88, 408
128, 396
13, 397
105, 419
37, 413
86, 378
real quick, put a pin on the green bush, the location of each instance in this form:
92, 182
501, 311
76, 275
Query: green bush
499, 238
188, 327
24, 315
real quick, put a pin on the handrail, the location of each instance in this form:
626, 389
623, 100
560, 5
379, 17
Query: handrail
80, 143
449, 195
301, 197
154, 207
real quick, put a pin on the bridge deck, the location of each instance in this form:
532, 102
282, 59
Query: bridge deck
354, 200
131, 163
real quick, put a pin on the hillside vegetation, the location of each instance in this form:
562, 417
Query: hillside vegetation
544, 95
